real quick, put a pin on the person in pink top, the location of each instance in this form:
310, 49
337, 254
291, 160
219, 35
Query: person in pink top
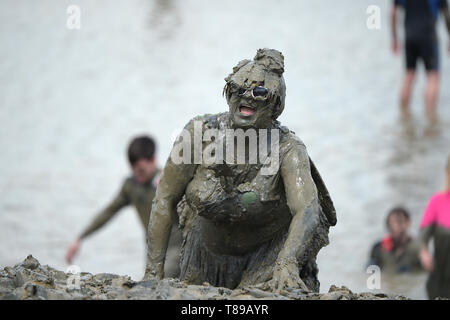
436, 225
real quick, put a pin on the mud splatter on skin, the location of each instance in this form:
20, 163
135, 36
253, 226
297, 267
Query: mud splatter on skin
242, 227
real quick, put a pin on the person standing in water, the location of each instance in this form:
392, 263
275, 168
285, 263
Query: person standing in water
398, 251
138, 190
421, 42
436, 225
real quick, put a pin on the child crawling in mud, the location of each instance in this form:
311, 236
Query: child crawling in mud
243, 224
138, 190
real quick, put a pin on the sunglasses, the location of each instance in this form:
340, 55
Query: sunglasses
256, 93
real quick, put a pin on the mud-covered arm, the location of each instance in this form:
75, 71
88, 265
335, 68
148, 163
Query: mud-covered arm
120, 201
171, 187
302, 200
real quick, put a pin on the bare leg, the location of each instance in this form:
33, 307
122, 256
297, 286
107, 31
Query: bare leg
431, 95
405, 93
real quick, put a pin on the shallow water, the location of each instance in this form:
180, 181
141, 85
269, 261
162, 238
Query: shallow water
71, 99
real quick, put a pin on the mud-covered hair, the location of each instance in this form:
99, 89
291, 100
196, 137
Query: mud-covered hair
272, 61
142, 147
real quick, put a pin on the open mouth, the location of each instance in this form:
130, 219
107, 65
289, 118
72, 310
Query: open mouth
246, 110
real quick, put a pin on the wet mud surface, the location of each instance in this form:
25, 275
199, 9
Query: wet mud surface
31, 280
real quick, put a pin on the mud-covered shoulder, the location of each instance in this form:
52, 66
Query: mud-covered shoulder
127, 184
290, 142
206, 121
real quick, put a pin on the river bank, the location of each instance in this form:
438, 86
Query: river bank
31, 280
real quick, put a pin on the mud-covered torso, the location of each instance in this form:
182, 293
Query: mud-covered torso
237, 206
242, 197
237, 216
395, 260
141, 197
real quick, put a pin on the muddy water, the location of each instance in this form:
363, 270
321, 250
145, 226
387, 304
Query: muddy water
71, 99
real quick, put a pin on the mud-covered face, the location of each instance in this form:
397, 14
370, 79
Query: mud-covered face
250, 107
252, 96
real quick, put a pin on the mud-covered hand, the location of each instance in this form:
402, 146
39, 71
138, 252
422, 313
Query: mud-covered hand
286, 275
303, 202
154, 271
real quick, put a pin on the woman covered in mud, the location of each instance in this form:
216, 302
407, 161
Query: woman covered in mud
243, 226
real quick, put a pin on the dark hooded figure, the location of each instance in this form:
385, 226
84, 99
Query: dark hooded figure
245, 222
